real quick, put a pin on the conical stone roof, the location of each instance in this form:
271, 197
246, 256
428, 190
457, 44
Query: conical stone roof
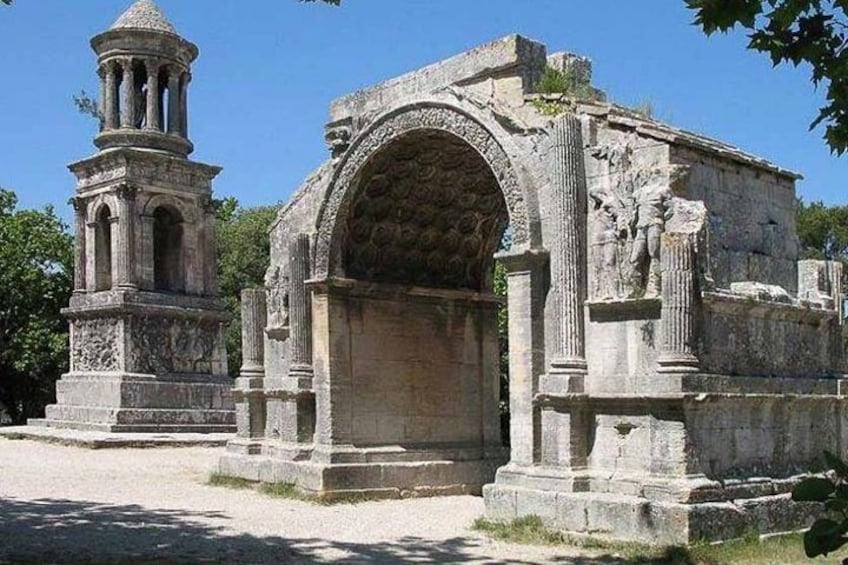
144, 14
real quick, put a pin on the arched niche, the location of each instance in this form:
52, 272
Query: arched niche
168, 249
102, 248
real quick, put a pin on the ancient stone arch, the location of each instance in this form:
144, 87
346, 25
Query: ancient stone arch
404, 121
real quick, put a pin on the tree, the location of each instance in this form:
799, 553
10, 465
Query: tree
794, 31
35, 274
823, 231
244, 249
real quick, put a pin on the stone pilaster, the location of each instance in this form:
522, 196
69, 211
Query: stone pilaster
568, 266
210, 249
154, 111
679, 284
173, 100
526, 305
300, 309
128, 84
125, 242
79, 205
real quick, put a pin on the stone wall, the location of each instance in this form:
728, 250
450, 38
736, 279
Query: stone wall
751, 219
417, 370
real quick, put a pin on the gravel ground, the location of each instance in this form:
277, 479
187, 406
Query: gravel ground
66, 504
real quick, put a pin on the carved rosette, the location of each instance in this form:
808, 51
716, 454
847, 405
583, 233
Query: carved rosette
679, 286
392, 126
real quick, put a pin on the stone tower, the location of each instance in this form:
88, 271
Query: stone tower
147, 326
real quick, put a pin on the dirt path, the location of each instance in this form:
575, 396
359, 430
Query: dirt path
66, 504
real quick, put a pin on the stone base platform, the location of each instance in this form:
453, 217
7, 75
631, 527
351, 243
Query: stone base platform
91, 439
390, 477
125, 403
622, 517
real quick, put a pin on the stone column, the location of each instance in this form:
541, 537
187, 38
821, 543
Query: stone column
125, 244
253, 320
79, 205
173, 100
128, 113
153, 109
678, 260
526, 305
300, 309
186, 78
568, 265
110, 107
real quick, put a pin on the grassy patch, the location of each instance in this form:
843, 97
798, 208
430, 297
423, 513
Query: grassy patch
285, 490
749, 550
219, 480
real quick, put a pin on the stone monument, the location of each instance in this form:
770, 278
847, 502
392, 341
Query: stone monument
146, 323
673, 367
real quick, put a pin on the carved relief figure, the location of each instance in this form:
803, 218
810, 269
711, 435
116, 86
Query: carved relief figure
653, 208
605, 243
277, 287
95, 345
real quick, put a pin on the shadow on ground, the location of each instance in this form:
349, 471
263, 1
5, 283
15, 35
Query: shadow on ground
68, 531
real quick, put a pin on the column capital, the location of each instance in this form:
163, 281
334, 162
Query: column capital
78, 202
126, 191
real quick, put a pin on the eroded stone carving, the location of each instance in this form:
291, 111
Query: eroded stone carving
95, 345
629, 215
277, 287
164, 346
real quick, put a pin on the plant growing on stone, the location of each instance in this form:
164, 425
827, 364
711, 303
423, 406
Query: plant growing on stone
829, 533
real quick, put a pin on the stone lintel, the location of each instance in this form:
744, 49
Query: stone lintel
512, 55
354, 287
93, 305
515, 261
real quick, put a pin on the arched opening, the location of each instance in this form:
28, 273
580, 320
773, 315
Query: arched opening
103, 249
168, 260
423, 225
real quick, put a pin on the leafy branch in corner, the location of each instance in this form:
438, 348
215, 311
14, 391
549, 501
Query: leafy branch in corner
814, 32
827, 534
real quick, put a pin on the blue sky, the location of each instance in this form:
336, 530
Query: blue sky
269, 68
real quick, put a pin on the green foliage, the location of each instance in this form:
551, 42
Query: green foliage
36, 268
87, 105
244, 250
829, 533
796, 32
499, 287
823, 231
555, 81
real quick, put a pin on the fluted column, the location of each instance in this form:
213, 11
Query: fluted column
128, 113
300, 308
568, 268
153, 110
110, 107
173, 100
79, 205
125, 244
678, 261
253, 321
